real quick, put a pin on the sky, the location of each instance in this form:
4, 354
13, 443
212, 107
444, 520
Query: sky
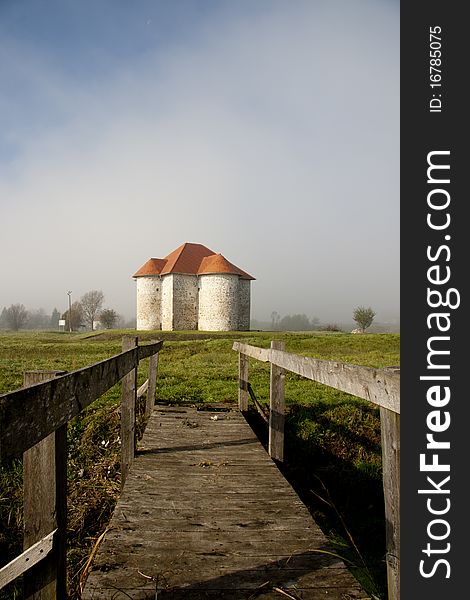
267, 130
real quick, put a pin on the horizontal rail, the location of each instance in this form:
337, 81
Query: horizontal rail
379, 386
149, 349
28, 415
262, 354
27, 559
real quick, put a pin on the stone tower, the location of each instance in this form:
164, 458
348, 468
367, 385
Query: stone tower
192, 288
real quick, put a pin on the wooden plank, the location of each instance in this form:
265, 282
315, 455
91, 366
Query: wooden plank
30, 557
276, 408
45, 507
149, 349
317, 580
267, 592
390, 433
242, 382
30, 414
207, 561
261, 354
152, 387
380, 386
128, 400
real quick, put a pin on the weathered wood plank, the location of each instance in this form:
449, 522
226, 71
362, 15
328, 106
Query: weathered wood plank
148, 349
313, 580
390, 434
208, 561
213, 543
380, 386
276, 407
30, 414
128, 400
45, 506
147, 592
189, 525
30, 557
152, 387
261, 354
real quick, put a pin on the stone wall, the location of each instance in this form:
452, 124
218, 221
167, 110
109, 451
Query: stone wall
212, 302
244, 294
167, 302
148, 303
218, 302
185, 302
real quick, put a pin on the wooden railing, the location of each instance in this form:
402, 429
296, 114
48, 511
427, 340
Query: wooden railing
33, 425
379, 386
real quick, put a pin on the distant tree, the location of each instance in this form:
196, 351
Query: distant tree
75, 319
275, 317
363, 317
16, 316
3, 318
37, 319
314, 323
295, 323
91, 303
109, 318
54, 320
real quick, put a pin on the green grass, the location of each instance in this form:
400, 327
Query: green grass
332, 439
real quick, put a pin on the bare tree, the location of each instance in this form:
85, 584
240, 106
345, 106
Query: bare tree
363, 317
16, 316
91, 303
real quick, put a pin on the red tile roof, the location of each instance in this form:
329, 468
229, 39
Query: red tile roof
153, 266
191, 259
216, 263
186, 259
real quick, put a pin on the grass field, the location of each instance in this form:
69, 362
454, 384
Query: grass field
332, 439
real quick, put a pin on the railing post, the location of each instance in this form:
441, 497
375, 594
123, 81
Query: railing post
128, 401
390, 434
153, 373
242, 382
276, 408
45, 506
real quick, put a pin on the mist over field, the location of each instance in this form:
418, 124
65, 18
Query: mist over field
267, 131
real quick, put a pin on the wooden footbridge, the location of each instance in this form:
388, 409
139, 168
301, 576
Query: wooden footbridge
204, 511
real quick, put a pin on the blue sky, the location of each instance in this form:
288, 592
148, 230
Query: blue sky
267, 130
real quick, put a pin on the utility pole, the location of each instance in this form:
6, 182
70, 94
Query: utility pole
70, 311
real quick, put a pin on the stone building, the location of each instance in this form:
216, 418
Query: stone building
192, 288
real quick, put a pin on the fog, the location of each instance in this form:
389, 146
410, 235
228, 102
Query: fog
267, 131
